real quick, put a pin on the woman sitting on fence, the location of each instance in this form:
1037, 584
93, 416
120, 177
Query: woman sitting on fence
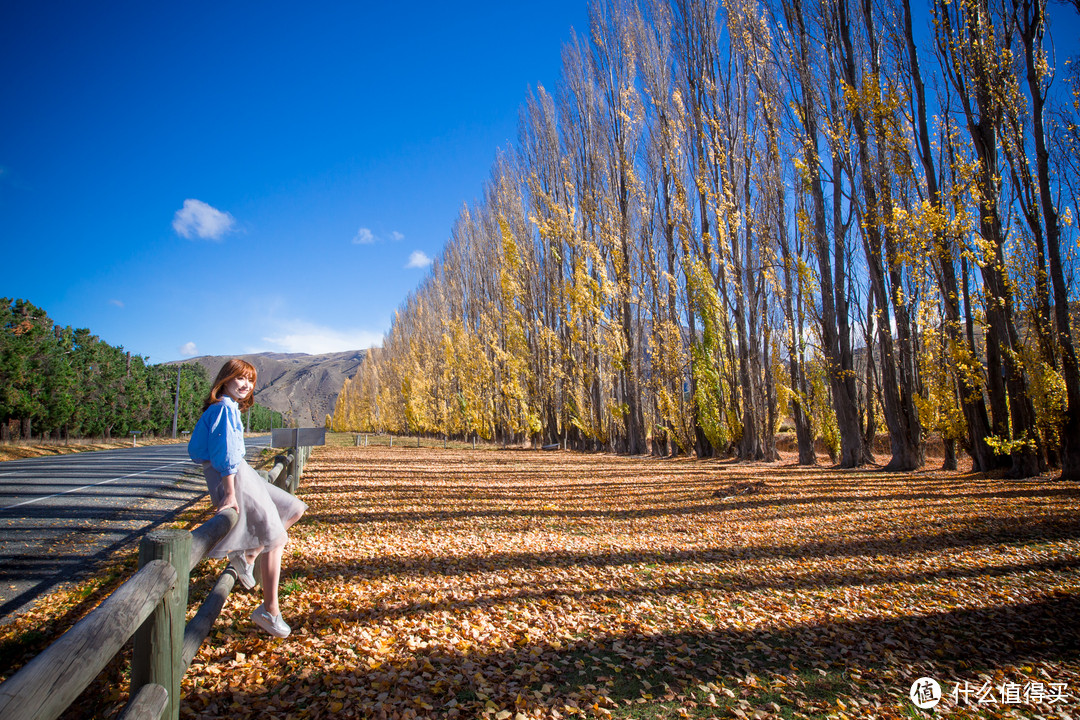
265, 511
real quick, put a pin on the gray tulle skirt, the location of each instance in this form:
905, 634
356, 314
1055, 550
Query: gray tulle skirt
266, 512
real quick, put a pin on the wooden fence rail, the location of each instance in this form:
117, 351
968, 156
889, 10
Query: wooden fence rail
288, 469
150, 607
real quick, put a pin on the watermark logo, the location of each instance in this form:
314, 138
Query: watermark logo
925, 693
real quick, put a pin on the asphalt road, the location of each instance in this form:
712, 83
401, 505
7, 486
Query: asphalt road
62, 515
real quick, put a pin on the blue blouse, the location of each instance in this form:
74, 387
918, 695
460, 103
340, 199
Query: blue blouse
218, 437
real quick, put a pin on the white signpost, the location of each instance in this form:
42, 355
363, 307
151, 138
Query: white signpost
299, 441
297, 437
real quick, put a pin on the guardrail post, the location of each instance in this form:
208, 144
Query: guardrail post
157, 654
294, 465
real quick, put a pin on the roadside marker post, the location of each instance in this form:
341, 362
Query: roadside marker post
301, 440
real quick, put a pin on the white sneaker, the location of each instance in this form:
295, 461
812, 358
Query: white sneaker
245, 571
272, 624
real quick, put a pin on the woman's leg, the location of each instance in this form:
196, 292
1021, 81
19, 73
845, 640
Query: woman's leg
270, 568
288, 523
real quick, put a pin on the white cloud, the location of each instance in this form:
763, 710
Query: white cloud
418, 259
364, 236
304, 337
117, 303
197, 219
188, 349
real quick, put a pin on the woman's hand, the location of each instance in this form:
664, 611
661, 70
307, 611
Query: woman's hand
228, 485
229, 501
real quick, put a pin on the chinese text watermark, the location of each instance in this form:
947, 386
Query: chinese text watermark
926, 693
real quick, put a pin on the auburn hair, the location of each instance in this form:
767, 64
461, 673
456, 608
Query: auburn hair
230, 370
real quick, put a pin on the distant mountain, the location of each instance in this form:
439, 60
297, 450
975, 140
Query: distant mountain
302, 387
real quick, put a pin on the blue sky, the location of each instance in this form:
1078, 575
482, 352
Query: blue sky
224, 178
233, 177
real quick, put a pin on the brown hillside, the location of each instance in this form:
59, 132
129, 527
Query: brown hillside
302, 387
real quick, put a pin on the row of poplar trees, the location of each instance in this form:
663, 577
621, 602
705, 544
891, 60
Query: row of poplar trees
844, 218
60, 383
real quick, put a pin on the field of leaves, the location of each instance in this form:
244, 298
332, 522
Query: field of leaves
430, 583
511, 584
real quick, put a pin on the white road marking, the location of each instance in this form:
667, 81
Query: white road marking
84, 487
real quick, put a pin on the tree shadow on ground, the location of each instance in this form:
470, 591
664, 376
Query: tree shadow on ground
686, 500
726, 582
983, 532
815, 663
76, 554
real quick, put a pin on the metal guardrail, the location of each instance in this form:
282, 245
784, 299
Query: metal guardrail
151, 607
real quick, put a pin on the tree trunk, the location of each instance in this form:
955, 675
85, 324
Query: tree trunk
1032, 26
1012, 411
800, 417
749, 446
870, 434
833, 303
853, 451
900, 416
949, 463
769, 445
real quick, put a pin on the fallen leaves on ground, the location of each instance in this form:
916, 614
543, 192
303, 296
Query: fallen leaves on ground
516, 585
425, 583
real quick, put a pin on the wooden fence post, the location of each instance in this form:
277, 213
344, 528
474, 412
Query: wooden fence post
157, 654
297, 469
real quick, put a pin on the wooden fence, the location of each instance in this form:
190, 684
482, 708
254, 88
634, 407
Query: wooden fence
403, 440
288, 469
150, 607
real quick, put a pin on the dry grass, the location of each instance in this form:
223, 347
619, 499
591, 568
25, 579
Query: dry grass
24, 450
